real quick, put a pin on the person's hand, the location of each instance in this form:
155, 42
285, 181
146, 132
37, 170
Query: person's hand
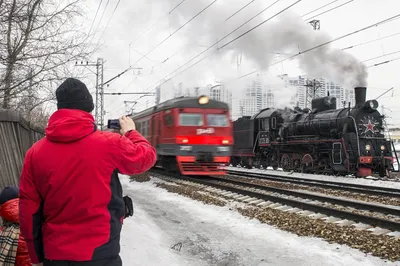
126, 124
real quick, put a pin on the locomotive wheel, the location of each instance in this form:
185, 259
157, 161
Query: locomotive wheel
286, 162
234, 161
296, 162
307, 163
249, 163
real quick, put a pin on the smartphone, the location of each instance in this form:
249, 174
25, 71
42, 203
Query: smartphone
113, 124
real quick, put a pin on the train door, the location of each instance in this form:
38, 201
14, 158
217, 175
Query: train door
155, 129
337, 153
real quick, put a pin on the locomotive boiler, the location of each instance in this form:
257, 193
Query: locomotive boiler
321, 140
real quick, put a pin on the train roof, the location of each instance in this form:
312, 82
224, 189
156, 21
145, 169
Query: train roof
267, 112
183, 102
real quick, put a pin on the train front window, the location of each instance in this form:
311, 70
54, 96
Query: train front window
214, 120
186, 119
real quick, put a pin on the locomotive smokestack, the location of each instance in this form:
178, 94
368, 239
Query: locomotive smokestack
360, 94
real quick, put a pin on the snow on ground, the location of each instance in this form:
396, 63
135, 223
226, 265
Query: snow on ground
350, 180
212, 235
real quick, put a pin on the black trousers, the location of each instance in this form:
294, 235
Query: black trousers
116, 261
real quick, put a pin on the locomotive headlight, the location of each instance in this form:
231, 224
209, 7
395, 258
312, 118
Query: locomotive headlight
368, 147
225, 141
203, 100
383, 147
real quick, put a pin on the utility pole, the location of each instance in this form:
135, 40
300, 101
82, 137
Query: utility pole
99, 114
99, 107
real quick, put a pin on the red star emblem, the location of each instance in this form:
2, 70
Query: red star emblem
369, 127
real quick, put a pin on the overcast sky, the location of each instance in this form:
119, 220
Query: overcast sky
125, 44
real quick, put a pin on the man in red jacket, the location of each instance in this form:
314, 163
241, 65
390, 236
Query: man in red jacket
71, 204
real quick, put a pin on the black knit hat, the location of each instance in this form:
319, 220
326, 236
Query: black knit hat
73, 94
8, 193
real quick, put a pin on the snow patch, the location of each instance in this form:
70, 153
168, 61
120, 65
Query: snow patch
212, 235
352, 180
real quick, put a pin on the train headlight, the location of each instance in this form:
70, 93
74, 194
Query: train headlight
203, 100
225, 141
383, 147
368, 147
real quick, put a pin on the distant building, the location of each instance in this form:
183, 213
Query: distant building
301, 99
256, 97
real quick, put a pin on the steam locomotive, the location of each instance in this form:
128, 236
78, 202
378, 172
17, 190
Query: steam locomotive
323, 140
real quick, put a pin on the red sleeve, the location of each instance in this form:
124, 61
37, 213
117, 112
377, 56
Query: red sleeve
135, 154
30, 211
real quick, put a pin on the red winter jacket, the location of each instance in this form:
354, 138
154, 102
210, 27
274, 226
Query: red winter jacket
9, 211
70, 195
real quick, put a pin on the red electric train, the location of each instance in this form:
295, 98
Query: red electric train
191, 135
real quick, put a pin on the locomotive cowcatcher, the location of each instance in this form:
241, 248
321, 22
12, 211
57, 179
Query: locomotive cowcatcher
191, 135
323, 140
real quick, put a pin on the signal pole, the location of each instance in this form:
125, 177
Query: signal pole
315, 24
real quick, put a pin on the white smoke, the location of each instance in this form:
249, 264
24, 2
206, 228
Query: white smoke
287, 33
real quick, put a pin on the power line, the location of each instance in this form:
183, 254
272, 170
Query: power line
178, 29
318, 8
240, 10
95, 16
367, 42
380, 56
258, 25
329, 10
104, 11
158, 21
328, 42
126, 70
218, 42
383, 62
259, 13
116, 6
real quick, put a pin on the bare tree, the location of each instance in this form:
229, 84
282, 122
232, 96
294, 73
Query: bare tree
39, 42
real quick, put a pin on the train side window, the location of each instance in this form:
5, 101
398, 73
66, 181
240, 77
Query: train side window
168, 120
139, 127
273, 122
262, 124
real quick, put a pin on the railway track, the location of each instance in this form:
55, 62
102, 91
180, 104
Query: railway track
358, 188
312, 204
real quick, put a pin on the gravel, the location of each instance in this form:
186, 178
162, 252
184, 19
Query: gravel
325, 204
145, 177
381, 246
192, 192
338, 193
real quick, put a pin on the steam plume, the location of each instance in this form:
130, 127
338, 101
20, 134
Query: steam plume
287, 33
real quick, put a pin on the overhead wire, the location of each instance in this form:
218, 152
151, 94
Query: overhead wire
371, 41
236, 12
104, 11
329, 10
258, 25
328, 42
169, 36
214, 44
112, 14
380, 56
95, 16
318, 8
259, 13
158, 21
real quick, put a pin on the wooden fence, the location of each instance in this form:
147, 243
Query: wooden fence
16, 136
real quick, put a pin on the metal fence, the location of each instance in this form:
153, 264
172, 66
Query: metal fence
16, 136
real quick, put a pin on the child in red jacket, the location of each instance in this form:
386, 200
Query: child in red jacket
13, 248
